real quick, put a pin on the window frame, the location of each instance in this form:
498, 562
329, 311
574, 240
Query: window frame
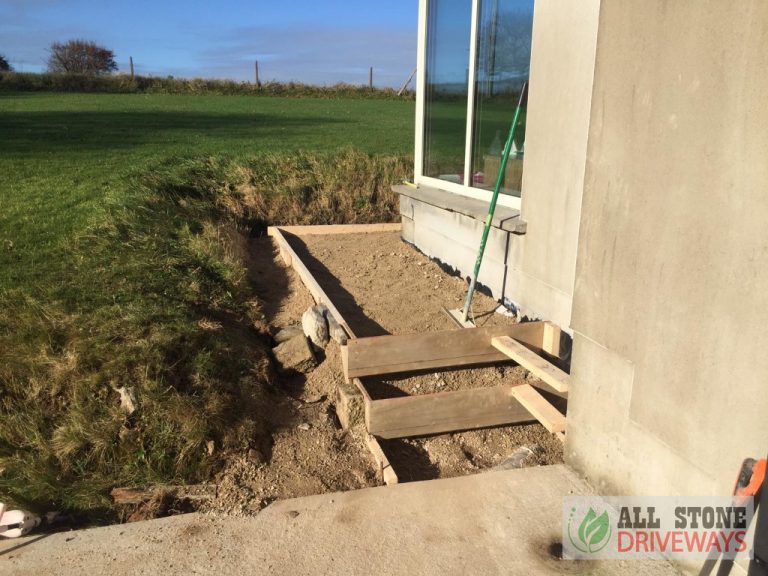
465, 189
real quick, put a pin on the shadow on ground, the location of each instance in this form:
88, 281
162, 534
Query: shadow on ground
411, 462
88, 131
361, 324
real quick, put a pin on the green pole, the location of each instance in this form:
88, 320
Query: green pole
492, 208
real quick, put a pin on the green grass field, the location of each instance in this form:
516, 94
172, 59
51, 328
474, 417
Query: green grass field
116, 258
64, 156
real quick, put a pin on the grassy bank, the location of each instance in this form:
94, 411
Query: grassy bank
123, 267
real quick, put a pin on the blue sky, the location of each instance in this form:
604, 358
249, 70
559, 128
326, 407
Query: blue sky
322, 42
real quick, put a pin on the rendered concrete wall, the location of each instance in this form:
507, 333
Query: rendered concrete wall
562, 68
453, 239
670, 357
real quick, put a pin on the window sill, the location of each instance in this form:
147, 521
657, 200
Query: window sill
504, 218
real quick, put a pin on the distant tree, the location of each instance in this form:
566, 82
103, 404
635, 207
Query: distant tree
5, 66
81, 57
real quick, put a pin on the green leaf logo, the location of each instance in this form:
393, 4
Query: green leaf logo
594, 532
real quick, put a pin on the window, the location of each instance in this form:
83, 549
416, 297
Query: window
447, 89
474, 59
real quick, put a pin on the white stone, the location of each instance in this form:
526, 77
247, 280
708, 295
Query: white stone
315, 326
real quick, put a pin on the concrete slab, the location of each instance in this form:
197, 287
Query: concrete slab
493, 523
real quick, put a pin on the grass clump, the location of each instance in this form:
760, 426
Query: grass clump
346, 187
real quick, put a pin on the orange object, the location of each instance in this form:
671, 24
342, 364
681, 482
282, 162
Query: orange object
751, 478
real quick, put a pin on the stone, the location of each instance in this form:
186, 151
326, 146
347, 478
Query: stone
127, 399
285, 334
303, 426
315, 326
336, 332
350, 407
255, 456
518, 459
295, 354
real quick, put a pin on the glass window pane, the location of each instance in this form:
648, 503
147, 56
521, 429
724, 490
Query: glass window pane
503, 64
446, 89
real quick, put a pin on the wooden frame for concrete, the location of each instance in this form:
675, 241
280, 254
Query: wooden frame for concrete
535, 364
289, 256
440, 412
434, 413
336, 229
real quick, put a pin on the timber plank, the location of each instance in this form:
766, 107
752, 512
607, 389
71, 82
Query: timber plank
444, 412
385, 469
532, 362
291, 259
380, 355
326, 229
537, 405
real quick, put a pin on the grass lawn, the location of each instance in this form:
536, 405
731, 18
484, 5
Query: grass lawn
117, 258
64, 156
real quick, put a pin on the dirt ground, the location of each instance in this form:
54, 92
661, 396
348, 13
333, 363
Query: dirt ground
310, 453
382, 285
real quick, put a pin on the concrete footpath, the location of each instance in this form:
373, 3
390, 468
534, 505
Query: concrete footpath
505, 522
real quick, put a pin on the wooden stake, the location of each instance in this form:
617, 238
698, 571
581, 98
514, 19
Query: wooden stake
542, 410
400, 93
532, 362
130, 59
138, 495
256, 67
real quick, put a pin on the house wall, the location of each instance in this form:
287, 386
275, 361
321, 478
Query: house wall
536, 270
669, 389
543, 261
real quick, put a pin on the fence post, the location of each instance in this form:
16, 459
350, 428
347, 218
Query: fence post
407, 82
370, 78
256, 67
130, 59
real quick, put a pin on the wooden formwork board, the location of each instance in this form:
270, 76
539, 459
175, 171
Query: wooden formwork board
380, 355
439, 412
385, 470
537, 405
291, 258
535, 364
336, 229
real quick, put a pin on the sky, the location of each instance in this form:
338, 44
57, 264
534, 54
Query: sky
318, 42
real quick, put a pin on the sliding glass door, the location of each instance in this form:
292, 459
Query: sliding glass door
476, 58
446, 88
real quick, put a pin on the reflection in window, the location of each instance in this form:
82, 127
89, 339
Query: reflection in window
446, 88
503, 64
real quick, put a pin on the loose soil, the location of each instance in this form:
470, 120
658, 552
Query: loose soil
310, 453
382, 285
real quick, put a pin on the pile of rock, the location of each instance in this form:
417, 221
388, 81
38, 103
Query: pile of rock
294, 350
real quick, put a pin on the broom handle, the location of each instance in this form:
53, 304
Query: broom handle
494, 198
